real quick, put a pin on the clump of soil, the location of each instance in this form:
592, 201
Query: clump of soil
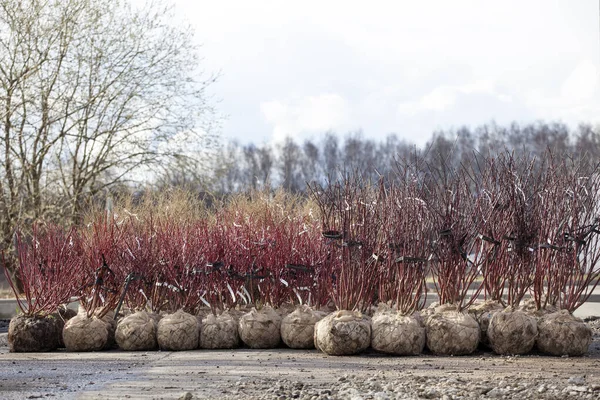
512, 332
137, 332
343, 333
298, 328
33, 333
561, 333
450, 332
530, 307
83, 333
395, 333
260, 329
178, 331
219, 332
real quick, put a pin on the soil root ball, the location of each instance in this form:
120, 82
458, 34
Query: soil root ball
83, 333
61, 316
33, 334
394, 333
561, 333
343, 333
260, 329
451, 332
483, 313
178, 331
512, 332
219, 332
137, 332
298, 328
111, 326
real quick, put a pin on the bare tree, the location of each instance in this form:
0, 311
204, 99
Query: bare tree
92, 93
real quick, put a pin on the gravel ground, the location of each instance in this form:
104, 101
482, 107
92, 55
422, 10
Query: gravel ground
284, 373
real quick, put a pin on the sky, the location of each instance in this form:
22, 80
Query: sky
302, 68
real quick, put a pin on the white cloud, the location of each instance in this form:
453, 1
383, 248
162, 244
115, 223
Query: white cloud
446, 97
307, 115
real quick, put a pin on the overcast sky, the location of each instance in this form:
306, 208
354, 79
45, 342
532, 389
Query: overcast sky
301, 68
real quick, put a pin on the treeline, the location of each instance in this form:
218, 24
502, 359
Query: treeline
292, 164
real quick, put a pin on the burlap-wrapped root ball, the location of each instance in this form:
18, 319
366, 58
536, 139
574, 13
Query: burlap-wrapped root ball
136, 332
178, 331
298, 328
260, 329
561, 333
33, 333
394, 333
111, 326
219, 332
483, 313
83, 333
512, 332
452, 332
343, 333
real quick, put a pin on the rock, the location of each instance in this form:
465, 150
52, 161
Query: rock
576, 380
577, 389
495, 393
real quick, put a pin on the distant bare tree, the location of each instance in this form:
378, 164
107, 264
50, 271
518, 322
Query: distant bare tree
289, 166
331, 154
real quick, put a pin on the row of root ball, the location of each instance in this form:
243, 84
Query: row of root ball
442, 329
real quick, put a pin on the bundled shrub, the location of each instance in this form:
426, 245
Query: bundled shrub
519, 184
456, 257
402, 255
48, 265
351, 225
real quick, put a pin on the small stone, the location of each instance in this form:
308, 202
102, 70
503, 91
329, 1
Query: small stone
495, 393
577, 380
381, 396
430, 394
541, 389
186, 396
577, 389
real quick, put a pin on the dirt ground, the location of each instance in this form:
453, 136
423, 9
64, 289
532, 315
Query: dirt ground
284, 373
